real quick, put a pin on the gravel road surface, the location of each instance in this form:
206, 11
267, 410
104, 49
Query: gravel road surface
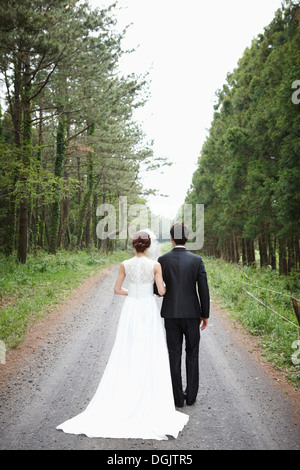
53, 375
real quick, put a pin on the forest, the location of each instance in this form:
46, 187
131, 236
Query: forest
68, 138
69, 141
248, 172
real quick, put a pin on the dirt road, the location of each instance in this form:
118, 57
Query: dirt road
55, 373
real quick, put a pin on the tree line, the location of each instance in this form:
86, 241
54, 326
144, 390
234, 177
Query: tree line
248, 172
68, 139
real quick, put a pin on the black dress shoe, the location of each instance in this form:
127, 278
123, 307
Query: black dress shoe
190, 403
179, 405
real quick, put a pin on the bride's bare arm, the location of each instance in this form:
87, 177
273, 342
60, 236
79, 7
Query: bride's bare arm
118, 289
159, 279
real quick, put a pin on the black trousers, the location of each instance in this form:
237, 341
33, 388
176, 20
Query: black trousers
176, 330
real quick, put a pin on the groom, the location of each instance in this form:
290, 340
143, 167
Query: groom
185, 309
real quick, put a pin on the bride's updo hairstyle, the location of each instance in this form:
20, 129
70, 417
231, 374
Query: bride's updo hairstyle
141, 241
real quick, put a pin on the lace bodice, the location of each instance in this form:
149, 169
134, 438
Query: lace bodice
140, 276
139, 270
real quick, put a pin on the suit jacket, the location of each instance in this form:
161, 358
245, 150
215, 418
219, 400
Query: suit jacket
187, 293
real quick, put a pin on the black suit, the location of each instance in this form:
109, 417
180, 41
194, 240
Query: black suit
185, 302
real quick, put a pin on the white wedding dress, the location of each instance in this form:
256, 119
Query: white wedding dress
134, 398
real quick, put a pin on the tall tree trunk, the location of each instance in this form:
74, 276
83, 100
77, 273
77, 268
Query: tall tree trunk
272, 252
291, 254
85, 204
282, 257
263, 250
244, 252
58, 171
88, 226
94, 219
297, 252
10, 235
37, 219
237, 253
250, 252
65, 203
26, 156
84, 207
65, 213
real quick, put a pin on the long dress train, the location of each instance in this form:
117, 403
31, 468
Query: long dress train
134, 398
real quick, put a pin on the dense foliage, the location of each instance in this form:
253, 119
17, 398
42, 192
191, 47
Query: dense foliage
249, 169
68, 140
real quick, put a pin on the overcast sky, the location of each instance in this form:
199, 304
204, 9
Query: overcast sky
188, 47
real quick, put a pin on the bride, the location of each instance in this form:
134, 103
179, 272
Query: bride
134, 398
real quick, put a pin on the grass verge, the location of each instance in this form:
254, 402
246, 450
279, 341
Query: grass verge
29, 291
269, 316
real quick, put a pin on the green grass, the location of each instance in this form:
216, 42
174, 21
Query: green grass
276, 332
28, 292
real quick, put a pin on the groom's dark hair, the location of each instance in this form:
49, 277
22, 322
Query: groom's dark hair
180, 233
